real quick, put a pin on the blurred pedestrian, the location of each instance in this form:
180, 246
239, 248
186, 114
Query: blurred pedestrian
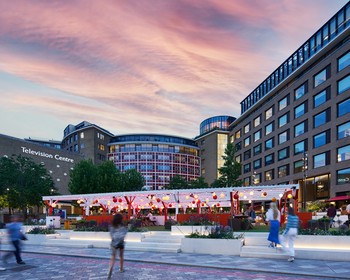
331, 213
273, 216
290, 233
14, 230
118, 232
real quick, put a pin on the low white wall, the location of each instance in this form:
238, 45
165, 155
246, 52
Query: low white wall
186, 230
212, 246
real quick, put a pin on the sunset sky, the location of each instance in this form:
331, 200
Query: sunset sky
135, 66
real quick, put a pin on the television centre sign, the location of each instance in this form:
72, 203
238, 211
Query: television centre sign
46, 155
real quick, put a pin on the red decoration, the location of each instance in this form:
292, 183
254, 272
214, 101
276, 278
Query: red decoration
120, 200
198, 201
273, 199
215, 196
203, 204
158, 200
115, 199
193, 202
236, 196
218, 204
264, 194
170, 205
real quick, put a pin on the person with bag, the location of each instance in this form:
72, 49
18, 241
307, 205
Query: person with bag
14, 230
290, 233
118, 232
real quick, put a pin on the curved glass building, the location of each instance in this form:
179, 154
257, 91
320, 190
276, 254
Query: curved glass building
217, 122
157, 157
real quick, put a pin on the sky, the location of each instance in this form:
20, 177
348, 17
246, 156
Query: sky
141, 66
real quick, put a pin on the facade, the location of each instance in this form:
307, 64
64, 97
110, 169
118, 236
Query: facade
157, 157
212, 142
295, 126
47, 143
87, 139
58, 162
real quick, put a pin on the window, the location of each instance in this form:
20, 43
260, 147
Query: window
283, 120
238, 146
257, 150
269, 159
300, 91
269, 144
257, 135
268, 175
283, 137
300, 147
246, 181
246, 168
257, 163
321, 97
343, 130
247, 128
283, 171
246, 155
320, 77
343, 176
238, 134
268, 113
82, 135
257, 121
344, 84
344, 61
247, 141
298, 166
257, 178
300, 128
321, 160
238, 158
101, 147
269, 128
344, 107
150, 157
283, 154
76, 148
145, 167
343, 153
322, 118
283, 103
321, 139
300, 110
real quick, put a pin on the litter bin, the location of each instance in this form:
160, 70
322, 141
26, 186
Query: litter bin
66, 224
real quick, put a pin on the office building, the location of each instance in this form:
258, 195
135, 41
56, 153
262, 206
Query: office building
295, 126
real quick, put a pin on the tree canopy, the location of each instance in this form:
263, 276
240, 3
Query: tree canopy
23, 183
230, 171
89, 178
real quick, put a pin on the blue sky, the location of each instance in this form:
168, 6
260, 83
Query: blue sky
141, 66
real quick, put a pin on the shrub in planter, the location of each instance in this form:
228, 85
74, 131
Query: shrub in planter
168, 223
41, 230
312, 224
324, 223
218, 232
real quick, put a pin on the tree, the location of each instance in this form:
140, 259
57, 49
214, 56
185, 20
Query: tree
107, 179
83, 178
131, 180
198, 183
23, 183
231, 169
177, 182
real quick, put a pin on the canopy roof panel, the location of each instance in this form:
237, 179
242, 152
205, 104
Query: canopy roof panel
178, 198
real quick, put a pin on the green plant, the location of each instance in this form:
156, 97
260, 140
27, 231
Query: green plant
315, 206
41, 230
218, 232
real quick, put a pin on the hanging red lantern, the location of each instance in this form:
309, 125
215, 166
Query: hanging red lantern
236, 196
215, 196
120, 200
264, 194
115, 199
193, 202
203, 204
158, 200
273, 199
218, 204
199, 202
170, 205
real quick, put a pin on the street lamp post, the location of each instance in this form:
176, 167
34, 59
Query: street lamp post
305, 163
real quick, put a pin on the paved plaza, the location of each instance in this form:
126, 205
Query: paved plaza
44, 262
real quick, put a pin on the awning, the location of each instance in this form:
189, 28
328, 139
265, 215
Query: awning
338, 198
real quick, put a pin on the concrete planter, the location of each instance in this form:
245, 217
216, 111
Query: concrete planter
323, 242
230, 247
105, 236
186, 230
38, 239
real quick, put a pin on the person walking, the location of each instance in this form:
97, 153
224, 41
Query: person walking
118, 232
290, 233
14, 230
273, 216
331, 213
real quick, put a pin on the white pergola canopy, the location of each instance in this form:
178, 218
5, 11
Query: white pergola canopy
182, 198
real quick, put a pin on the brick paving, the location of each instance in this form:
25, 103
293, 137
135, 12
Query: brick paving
45, 262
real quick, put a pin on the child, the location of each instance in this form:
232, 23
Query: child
118, 232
